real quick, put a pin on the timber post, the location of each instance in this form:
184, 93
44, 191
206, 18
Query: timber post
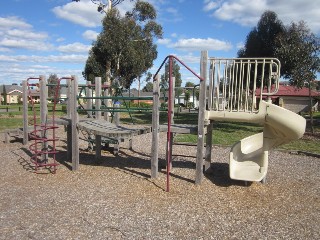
202, 109
155, 128
74, 122
25, 112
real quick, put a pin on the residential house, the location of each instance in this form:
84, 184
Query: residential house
294, 99
11, 94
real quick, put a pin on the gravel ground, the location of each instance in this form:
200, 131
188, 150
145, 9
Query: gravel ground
116, 199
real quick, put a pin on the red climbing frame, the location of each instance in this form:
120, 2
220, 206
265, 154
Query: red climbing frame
43, 135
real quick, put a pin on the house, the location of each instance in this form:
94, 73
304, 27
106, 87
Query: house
11, 94
294, 99
135, 93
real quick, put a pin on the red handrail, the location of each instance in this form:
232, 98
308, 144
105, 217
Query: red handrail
169, 157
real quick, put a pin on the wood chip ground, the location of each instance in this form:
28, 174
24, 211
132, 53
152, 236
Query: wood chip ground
116, 199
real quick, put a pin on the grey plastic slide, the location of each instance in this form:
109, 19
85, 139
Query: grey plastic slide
249, 157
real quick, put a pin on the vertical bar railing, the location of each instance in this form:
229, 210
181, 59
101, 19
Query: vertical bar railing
233, 83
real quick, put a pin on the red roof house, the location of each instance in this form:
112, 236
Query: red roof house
292, 98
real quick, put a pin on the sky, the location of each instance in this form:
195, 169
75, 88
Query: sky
43, 37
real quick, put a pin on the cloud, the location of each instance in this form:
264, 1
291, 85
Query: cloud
13, 22
17, 34
209, 5
90, 35
198, 44
70, 58
74, 48
83, 13
164, 41
25, 44
248, 13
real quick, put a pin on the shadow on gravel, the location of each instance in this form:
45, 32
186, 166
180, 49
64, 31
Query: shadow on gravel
219, 175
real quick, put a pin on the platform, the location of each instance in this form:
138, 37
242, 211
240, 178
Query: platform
107, 129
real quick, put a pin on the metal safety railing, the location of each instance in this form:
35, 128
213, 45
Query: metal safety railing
236, 83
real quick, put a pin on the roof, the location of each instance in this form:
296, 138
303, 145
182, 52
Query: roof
10, 88
292, 91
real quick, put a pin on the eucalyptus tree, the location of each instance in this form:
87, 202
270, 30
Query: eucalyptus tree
298, 52
164, 80
261, 41
125, 48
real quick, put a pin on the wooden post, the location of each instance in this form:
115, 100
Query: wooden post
108, 104
98, 95
44, 111
25, 112
202, 109
69, 127
43, 100
155, 128
68, 98
207, 163
98, 147
74, 122
89, 98
117, 114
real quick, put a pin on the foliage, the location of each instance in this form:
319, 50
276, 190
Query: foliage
148, 87
189, 84
125, 46
53, 79
164, 82
298, 50
261, 41
299, 53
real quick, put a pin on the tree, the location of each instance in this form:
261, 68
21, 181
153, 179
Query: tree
261, 41
298, 52
53, 79
191, 90
189, 84
125, 46
104, 7
164, 81
148, 87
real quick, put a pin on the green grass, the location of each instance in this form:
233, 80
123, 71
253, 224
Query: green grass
224, 133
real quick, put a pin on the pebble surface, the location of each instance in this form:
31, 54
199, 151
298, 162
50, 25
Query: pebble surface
116, 199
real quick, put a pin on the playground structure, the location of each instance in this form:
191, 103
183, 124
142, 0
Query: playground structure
227, 93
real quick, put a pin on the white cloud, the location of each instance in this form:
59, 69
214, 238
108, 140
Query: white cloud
240, 45
198, 44
18, 34
209, 5
164, 41
70, 58
74, 47
13, 22
248, 13
90, 35
25, 44
83, 13
60, 39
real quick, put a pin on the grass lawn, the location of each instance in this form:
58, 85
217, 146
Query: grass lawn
224, 133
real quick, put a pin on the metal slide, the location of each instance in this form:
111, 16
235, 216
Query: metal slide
249, 156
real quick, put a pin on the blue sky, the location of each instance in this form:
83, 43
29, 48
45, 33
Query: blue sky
54, 36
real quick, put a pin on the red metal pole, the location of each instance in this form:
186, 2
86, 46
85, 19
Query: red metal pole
169, 124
